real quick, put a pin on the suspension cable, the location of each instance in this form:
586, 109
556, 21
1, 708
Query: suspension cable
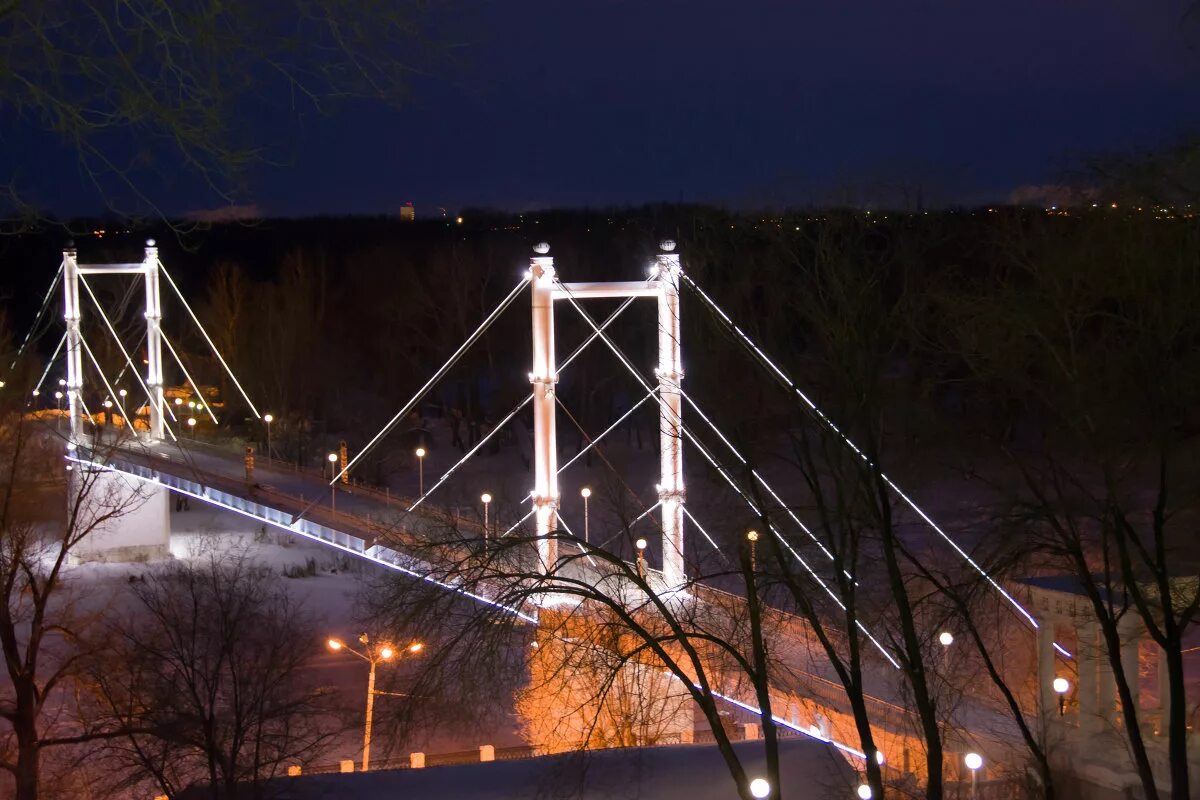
116, 399
783, 379
50, 363
188, 377
496, 428
41, 312
128, 360
733, 484
416, 398
204, 333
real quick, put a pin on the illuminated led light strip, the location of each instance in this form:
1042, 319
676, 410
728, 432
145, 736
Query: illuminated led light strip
116, 399
292, 530
50, 363
188, 376
845, 748
120, 345
162, 267
607, 430
38, 319
767, 362
496, 428
733, 484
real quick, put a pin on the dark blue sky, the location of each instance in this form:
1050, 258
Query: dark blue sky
589, 103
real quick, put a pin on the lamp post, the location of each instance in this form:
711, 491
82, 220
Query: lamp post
486, 498
192, 427
640, 544
373, 655
752, 537
864, 791
268, 419
945, 639
974, 761
420, 472
1061, 686
585, 493
333, 459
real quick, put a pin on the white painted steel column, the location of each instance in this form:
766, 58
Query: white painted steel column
670, 376
74, 341
154, 373
544, 375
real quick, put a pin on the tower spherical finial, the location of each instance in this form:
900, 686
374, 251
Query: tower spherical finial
667, 245
541, 248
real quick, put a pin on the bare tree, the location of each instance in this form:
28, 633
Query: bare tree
44, 632
204, 679
1090, 330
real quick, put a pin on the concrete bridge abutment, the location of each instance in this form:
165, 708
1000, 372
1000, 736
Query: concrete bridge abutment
126, 520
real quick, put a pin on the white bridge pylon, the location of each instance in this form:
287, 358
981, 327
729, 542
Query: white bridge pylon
662, 286
148, 269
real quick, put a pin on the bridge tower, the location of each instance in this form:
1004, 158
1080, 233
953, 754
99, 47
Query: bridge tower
663, 287
544, 376
143, 530
148, 269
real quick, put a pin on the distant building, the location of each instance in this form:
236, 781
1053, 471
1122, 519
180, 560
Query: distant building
408, 212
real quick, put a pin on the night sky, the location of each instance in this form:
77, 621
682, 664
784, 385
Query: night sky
585, 103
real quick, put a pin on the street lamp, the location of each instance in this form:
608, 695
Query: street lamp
946, 638
192, 426
752, 537
420, 472
373, 656
333, 459
1061, 687
178, 401
486, 498
973, 761
864, 791
585, 493
640, 544
268, 419
760, 788
62, 381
